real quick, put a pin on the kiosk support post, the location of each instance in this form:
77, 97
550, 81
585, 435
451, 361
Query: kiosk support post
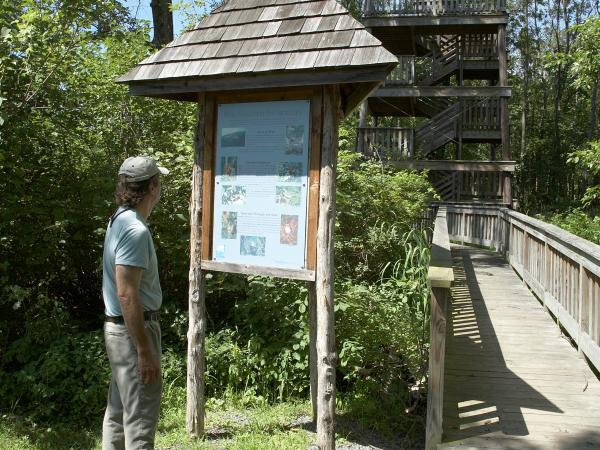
312, 311
326, 354
197, 310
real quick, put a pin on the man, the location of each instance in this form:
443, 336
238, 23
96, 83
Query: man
132, 298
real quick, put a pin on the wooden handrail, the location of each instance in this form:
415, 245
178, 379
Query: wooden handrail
561, 269
440, 273
440, 277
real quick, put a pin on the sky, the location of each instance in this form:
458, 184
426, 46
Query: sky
140, 9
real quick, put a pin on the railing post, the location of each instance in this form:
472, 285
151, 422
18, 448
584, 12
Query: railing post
437, 353
580, 301
440, 278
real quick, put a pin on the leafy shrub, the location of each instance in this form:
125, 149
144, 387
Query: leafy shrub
577, 222
66, 127
68, 380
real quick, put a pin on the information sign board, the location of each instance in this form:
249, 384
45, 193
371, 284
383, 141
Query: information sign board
261, 184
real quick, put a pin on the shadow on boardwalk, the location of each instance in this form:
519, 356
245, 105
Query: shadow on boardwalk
510, 380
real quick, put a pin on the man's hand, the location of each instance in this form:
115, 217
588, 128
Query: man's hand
148, 368
128, 285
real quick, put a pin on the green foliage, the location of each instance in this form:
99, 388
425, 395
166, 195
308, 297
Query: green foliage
66, 127
67, 379
577, 222
375, 206
382, 326
586, 56
588, 159
555, 74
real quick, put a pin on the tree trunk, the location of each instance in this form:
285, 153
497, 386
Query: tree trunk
162, 17
593, 110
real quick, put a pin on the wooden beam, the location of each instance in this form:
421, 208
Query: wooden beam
482, 135
434, 21
197, 310
358, 95
443, 91
326, 355
458, 166
175, 89
247, 269
480, 64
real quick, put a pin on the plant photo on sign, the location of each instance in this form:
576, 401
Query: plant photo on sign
289, 230
252, 245
288, 195
289, 172
233, 195
294, 137
233, 137
229, 225
228, 168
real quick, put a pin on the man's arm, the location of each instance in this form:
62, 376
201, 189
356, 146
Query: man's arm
128, 285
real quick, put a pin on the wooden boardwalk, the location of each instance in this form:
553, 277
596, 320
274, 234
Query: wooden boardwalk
512, 381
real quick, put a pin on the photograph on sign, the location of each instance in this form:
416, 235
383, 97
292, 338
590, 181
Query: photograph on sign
261, 184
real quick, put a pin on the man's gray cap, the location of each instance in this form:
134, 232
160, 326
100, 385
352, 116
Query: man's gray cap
140, 168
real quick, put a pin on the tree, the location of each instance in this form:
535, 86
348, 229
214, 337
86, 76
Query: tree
162, 16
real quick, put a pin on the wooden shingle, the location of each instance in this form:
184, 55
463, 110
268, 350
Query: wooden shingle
266, 37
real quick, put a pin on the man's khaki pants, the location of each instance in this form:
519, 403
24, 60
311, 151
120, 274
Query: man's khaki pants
133, 407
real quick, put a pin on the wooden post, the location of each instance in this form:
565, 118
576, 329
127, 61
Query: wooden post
437, 353
507, 188
362, 123
312, 312
197, 311
460, 125
504, 115
326, 355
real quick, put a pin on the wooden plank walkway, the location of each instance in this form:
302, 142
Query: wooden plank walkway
511, 380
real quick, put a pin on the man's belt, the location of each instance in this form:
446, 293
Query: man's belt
148, 315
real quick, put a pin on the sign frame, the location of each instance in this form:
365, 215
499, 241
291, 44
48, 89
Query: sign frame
314, 95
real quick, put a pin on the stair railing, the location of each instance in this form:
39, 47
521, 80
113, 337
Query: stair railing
431, 7
482, 115
404, 73
391, 143
480, 45
437, 131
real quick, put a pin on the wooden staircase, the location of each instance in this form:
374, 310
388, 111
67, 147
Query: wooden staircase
437, 131
442, 58
445, 184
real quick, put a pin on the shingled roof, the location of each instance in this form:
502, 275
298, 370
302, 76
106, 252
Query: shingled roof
243, 44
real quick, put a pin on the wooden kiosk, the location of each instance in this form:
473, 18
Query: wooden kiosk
272, 79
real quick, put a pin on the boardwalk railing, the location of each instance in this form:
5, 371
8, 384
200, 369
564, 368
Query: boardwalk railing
440, 278
562, 269
426, 7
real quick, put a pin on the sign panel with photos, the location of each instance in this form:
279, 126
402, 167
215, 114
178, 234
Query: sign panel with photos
261, 184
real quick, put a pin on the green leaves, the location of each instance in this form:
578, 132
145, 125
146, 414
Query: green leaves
588, 159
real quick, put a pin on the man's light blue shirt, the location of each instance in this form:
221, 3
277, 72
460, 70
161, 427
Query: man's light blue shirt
128, 242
